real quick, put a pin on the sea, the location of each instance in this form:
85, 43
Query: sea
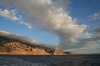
31, 60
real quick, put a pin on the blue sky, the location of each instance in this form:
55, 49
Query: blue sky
29, 22
40, 36
82, 9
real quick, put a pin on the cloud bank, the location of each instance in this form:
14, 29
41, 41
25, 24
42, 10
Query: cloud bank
52, 16
18, 37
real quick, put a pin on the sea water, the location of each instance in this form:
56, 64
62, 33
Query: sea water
29, 60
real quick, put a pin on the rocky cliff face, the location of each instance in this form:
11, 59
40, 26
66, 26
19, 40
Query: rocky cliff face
15, 47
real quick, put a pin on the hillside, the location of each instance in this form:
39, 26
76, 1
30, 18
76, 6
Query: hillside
13, 46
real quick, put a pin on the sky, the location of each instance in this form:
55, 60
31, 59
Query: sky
69, 25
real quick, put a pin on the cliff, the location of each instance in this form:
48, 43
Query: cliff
12, 46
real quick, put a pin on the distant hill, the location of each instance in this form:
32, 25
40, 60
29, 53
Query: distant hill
14, 46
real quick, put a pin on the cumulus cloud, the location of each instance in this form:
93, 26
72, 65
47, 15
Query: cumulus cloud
95, 16
10, 14
18, 37
52, 17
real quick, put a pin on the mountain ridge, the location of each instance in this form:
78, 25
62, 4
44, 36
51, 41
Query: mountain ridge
14, 46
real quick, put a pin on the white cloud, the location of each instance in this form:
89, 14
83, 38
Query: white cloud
28, 25
18, 37
8, 14
50, 17
95, 16
87, 35
21, 23
20, 17
12, 15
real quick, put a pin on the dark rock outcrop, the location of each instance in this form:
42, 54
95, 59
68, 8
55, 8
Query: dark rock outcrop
69, 53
